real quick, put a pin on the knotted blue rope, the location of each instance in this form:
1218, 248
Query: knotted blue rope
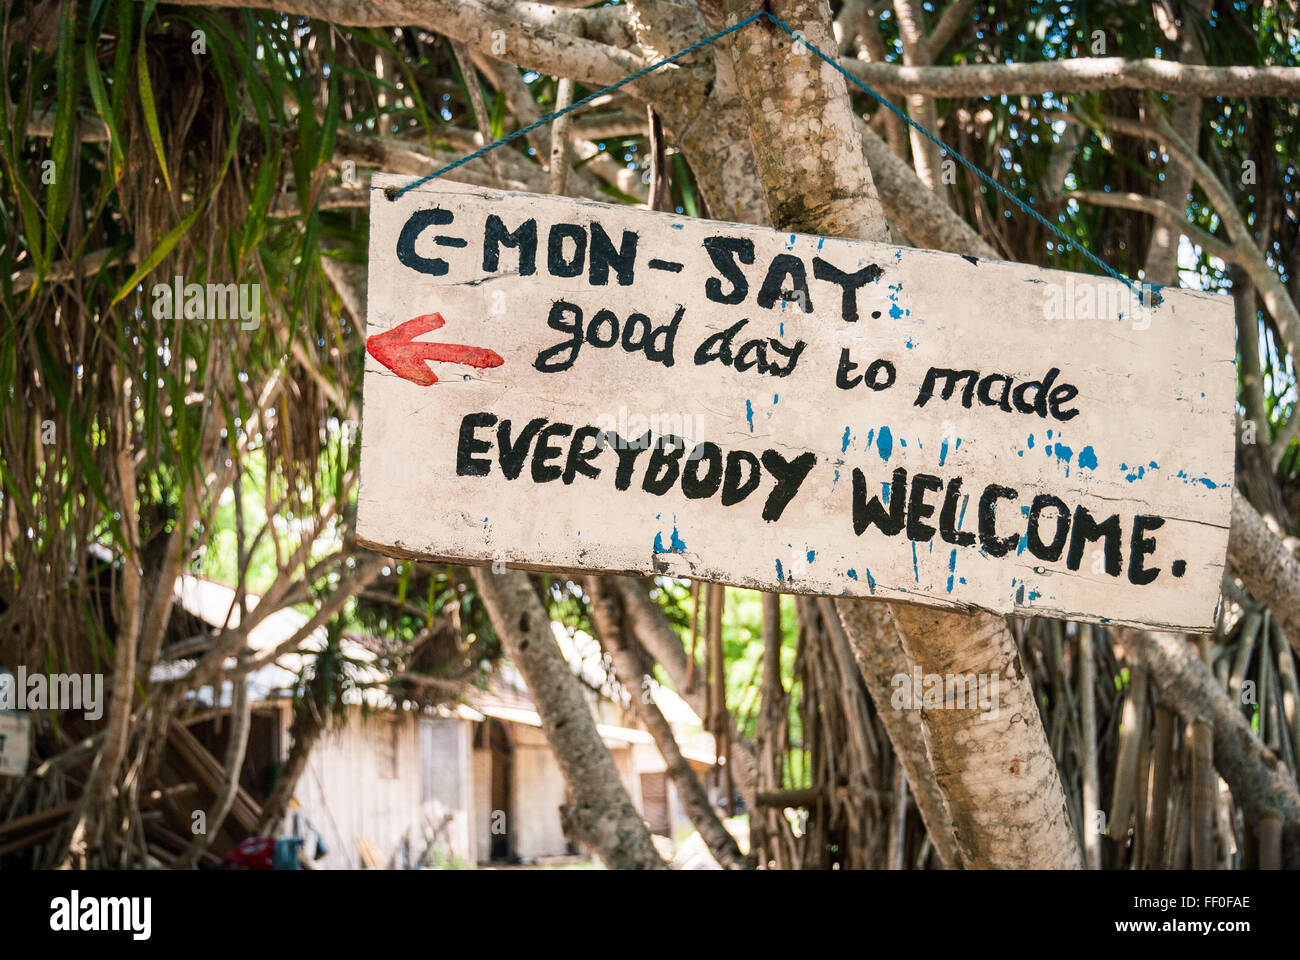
1028, 208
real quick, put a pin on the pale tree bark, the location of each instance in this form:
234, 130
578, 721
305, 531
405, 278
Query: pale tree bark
995, 767
1269, 571
1088, 736
1162, 253
559, 167
1261, 784
482, 119
997, 773
805, 133
606, 608
871, 634
873, 51
916, 53
601, 814
702, 111
921, 216
1082, 75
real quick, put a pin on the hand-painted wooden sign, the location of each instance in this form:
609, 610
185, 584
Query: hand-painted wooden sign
560, 384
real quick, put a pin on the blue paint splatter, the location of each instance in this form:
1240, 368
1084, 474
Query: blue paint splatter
1024, 537
659, 543
1087, 459
962, 516
1203, 481
811, 555
776, 398
943, 451
910, 345
1065, 455
871, 581
845, 445
895, 310
749, 415
952, 567
779, 574
871, 434
678, 544
852, 574
884, 491
916, 573
1031, 441
885, 445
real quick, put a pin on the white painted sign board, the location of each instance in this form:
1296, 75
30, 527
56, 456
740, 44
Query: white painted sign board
15, 737
561, 384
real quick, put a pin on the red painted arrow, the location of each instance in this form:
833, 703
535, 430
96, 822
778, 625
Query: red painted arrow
398, 350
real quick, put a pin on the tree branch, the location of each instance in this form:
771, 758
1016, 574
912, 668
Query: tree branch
538, 36
1163, 213
1269, 571
1081, 75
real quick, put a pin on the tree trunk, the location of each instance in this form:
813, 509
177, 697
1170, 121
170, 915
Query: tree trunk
601, 815
305, 731
1162, 252
101, 784
652, 630
241, 713
1088, 761
810, 159
995, 767
1132, 726
1269, 572
606, 607
803, 127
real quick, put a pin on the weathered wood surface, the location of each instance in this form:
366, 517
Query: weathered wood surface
795, 474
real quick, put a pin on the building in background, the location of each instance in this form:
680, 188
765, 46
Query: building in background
452, 786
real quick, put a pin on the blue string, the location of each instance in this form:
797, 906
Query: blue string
580, 103
835, 64
1023, 205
